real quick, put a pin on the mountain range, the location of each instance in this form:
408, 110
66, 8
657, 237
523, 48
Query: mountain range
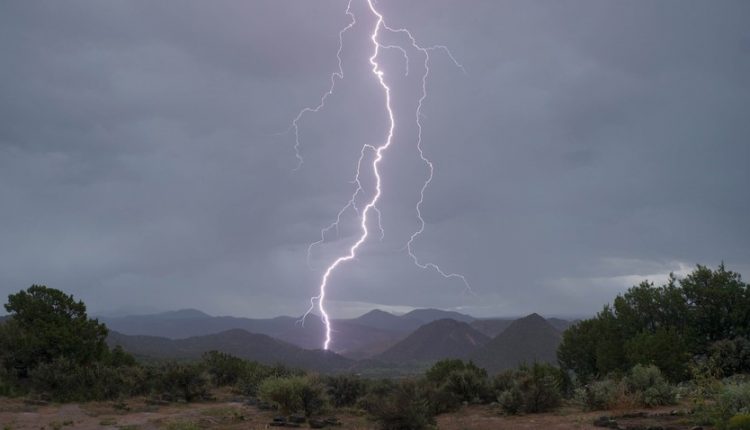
377, 339
360, 337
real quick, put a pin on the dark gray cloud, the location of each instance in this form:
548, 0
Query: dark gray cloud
589, 145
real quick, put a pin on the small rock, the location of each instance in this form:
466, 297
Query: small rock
317, 424
332, 421
279, 419
296, 419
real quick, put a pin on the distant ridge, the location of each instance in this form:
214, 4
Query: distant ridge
445, 338
364, 337
526, 340
177, 315
240, 343
387, 321
430, 315
408, 322
191, 323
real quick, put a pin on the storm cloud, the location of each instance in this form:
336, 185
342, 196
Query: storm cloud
145, 163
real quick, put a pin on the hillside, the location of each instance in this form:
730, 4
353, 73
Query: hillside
240, 343
445, 338
526, 340
491, 327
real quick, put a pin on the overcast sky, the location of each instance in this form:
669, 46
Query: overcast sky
590, 144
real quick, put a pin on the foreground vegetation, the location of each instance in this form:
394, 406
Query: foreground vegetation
683, 342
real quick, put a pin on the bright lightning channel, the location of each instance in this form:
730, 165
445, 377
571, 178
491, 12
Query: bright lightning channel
378, 153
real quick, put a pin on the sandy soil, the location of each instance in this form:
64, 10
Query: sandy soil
137, 414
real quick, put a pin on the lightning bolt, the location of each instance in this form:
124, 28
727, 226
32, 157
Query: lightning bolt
377, 154
339, 73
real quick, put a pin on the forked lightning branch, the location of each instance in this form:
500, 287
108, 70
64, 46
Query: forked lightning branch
375, 153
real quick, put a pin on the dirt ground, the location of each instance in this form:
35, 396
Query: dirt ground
138, 414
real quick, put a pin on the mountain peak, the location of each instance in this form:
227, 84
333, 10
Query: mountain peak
428, 315
526, 339
377, 313
443, 338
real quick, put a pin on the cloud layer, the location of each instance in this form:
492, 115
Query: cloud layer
590, 144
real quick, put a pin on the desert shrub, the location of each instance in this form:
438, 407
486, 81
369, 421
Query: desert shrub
733, 399
739, 422
647, 386
294, 394
439, 371
181, 381
406, 407
255, 373
728, 357
9, 384
728, 400
511, 400
454, 381
375, 391
468, 385
65, 380
529, 389
600, 395
224, 369
345, 390
439, 399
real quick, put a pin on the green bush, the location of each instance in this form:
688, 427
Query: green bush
733, 399
375, 391
453, 382
728, 357
294, 394
529, 389
406, 407
8, 384
439, 371
725, 402
664, 348
739, 422
345, 390
65, 380
647, 386
468, 385
600, 395
181, 381
224, 369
